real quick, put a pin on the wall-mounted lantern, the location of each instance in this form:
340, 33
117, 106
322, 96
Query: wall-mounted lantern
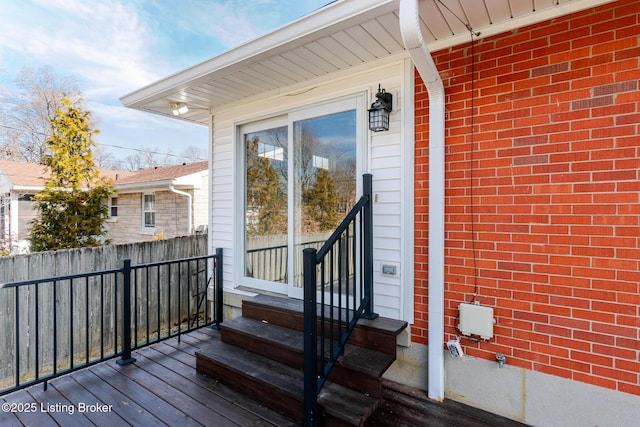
380, 111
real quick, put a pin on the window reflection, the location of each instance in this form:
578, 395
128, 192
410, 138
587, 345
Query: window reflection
266, 214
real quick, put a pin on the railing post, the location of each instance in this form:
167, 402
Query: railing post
126, 315
310, 365
367, 256
218, 286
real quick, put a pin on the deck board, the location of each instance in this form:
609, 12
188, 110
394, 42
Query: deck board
74, 391
163, 388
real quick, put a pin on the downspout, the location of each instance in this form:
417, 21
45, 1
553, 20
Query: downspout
189, 201
415, 44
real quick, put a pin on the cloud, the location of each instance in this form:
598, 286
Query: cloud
113, 47
101, 43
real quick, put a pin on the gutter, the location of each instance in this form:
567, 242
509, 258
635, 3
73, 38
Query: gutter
189, 201
416, 46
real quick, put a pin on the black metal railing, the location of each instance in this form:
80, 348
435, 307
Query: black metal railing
57, 325
336, 296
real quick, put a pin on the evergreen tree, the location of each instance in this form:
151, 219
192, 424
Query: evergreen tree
71, 206
266, 197
321, 202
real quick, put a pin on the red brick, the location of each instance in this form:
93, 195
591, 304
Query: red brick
598, 381
616, 374
593, 337
629, 343
592, 358
614, 352
573, 365
615, 330
553, 370
557, 243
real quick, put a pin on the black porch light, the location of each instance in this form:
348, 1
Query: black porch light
380, 111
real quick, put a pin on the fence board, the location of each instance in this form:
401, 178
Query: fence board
101, 294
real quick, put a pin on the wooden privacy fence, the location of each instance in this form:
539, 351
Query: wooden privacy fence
63, 309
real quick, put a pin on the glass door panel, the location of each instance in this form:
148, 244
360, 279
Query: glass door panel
324, 180
266, 205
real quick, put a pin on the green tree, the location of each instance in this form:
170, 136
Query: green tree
321, 202
266, 197
71, 206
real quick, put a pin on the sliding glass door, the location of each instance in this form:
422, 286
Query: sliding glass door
300, 177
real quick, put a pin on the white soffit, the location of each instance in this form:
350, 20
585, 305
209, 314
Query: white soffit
343, 35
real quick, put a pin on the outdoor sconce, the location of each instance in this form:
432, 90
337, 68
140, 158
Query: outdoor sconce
178, 108
380, 111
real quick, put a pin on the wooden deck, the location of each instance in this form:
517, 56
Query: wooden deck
163, 388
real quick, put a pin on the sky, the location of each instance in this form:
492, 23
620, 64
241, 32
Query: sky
114, 47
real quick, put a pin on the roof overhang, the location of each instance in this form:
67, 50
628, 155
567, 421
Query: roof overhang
338, 37
186, 182
26, 189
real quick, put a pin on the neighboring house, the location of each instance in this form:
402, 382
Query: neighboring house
160, 202
18, 183
510, 179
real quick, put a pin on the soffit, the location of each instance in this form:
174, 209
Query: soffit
341, 36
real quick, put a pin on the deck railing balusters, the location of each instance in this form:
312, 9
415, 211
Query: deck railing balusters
352, 267
66, 306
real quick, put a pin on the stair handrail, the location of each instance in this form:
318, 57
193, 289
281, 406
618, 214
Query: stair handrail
360, 260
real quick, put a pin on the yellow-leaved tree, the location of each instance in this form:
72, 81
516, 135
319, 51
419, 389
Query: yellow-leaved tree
71, 206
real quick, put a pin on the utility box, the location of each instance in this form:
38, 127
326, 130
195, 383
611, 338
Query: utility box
476, 319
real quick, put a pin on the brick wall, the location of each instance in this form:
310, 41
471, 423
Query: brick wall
171, 218
542, 200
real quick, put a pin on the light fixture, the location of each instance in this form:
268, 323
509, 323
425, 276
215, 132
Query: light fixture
178, 108
380, 111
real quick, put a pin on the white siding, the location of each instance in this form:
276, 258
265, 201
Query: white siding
384, 159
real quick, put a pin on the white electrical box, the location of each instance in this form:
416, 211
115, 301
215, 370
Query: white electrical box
476, 319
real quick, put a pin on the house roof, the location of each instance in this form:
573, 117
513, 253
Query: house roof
23, 175
31, 176
160, 174
343, 35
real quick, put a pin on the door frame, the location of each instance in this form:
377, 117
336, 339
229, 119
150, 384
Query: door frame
357, 102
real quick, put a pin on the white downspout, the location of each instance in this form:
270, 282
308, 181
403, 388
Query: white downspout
415, 44
189, 201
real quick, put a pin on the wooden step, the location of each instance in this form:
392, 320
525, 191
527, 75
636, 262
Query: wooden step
378, 334
280, 386
359, 368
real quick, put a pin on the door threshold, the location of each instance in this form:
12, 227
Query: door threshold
256, 291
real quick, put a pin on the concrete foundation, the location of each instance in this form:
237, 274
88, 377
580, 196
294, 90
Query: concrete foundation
533, 398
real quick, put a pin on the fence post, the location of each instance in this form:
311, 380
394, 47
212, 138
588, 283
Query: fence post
310, 364
367, 256
218, 286
126, 315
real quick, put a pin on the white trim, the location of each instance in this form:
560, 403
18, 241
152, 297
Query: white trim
210, 242
407, 192
307, 28
354, 101
145, 228
14, 216
543, 15
112, 218
239, 130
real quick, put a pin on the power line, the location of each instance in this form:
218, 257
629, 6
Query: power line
140, 150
